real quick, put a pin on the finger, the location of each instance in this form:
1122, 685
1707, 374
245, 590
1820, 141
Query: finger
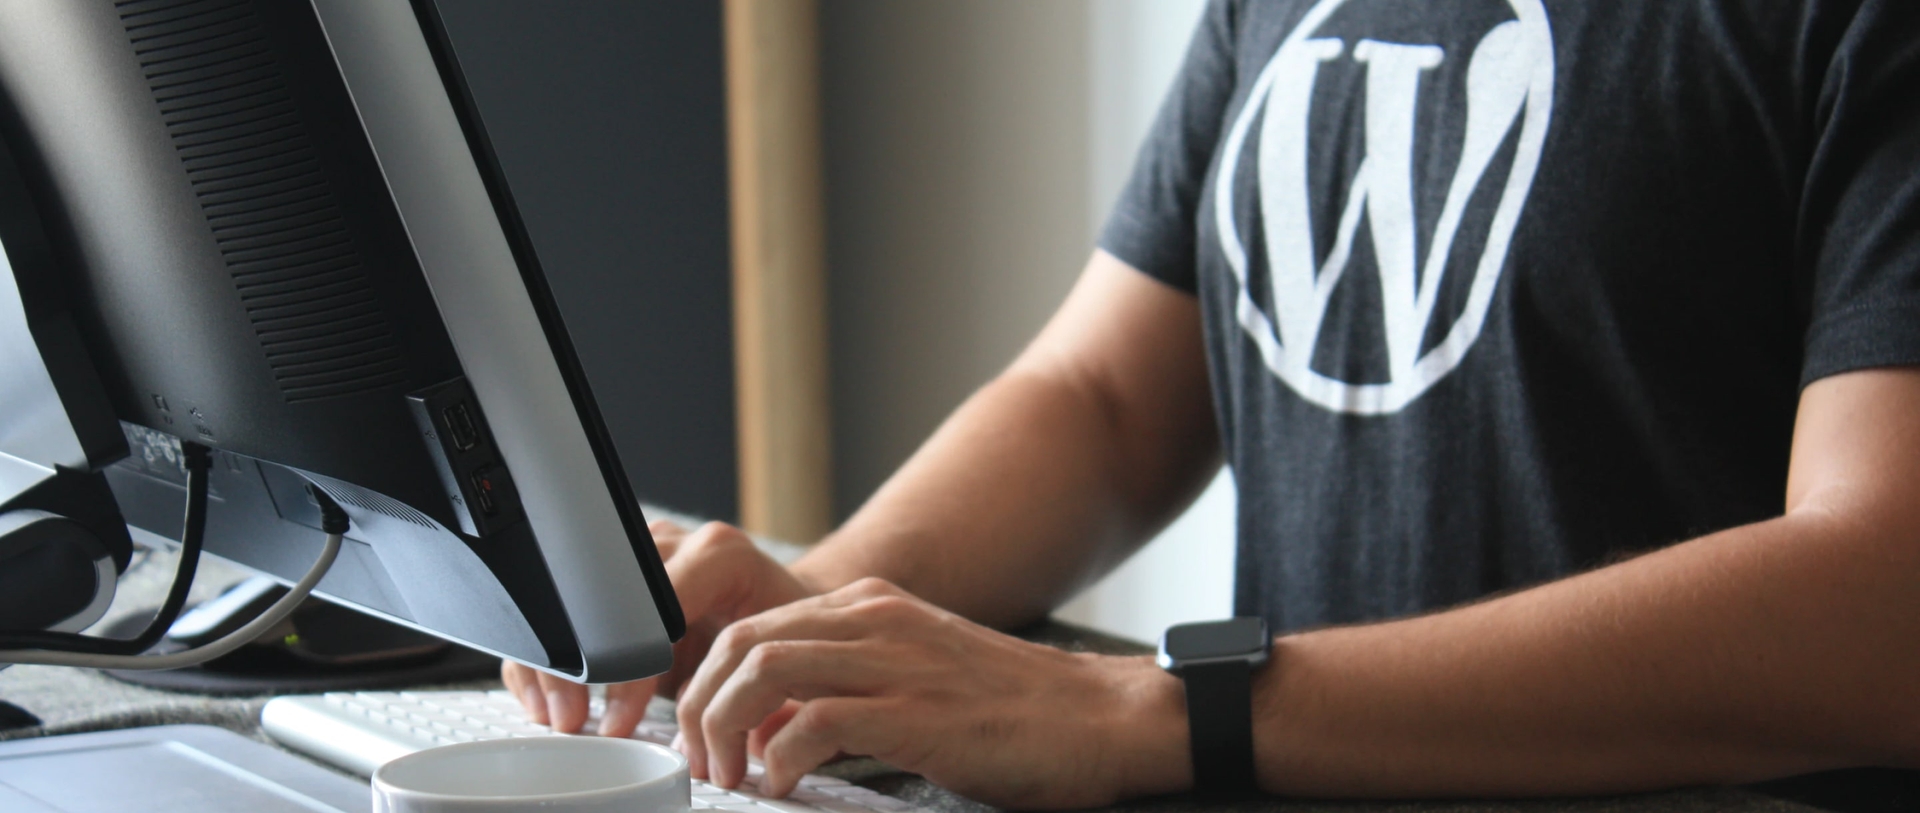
838, 616
771, 674
626, 706
842, 615
861, 590
687, 656
808, 619
757, 741
667, 536
524, 683
823, 729
514, 676
566, 703
666, 530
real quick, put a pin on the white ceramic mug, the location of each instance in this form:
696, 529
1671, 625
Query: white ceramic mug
570, 774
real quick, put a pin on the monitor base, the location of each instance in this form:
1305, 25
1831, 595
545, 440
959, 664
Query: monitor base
322, 648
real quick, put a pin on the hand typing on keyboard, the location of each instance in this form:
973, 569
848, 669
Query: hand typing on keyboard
773, 669
720, 577
882, 673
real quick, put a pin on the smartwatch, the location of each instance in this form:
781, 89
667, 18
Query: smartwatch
1216, 661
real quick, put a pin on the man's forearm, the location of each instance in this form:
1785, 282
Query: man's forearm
1002, 514
1097, 434
1766, 650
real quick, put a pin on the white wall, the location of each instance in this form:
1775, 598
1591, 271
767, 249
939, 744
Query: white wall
956, 186
1135, 48
973, 149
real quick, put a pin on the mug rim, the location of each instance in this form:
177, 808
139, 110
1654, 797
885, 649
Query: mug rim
381, 782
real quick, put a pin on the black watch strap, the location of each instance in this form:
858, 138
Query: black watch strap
1220, 726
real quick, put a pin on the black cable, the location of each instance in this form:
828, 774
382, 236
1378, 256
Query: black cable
199, 459
249, 632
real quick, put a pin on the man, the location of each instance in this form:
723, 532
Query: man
1601, 308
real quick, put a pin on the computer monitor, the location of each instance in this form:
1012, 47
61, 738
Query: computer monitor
278, 230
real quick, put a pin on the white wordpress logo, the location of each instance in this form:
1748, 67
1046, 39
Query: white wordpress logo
1510, 80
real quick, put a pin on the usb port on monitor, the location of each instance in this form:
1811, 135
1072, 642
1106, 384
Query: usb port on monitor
461, 428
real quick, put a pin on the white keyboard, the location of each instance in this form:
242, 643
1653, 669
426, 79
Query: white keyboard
361, 731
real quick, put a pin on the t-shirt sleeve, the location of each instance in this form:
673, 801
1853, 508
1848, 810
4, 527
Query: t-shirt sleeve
1153, 225
1860, 211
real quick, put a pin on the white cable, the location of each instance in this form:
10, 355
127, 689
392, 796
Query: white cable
247, 634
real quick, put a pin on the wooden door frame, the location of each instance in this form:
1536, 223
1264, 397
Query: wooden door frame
779, 267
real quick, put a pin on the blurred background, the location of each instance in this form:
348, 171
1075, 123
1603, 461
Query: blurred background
972, 150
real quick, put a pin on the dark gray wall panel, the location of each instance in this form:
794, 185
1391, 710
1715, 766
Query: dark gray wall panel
608, 120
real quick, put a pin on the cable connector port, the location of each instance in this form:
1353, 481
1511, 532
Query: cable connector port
333, 518
461, 428
483, 491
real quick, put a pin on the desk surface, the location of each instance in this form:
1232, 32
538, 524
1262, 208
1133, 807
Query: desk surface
74, 700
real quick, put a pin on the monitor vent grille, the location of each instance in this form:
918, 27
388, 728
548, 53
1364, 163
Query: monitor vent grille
373, 501
259, 183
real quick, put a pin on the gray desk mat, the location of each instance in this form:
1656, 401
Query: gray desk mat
167, 769
73, 700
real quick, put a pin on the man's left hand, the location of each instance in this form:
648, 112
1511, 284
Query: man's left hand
871, 670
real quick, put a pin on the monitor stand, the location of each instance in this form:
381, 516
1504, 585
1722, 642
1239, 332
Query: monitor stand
322, 647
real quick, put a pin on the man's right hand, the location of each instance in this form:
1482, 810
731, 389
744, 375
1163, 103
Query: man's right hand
719, 576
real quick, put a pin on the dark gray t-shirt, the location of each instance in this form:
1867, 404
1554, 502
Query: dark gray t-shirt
1495, 290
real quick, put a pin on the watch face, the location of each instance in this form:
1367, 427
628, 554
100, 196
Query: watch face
1216, 639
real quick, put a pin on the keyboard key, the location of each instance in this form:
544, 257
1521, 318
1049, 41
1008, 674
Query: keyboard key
810, 796
788, 806
877, 801
748, 792
844, 791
